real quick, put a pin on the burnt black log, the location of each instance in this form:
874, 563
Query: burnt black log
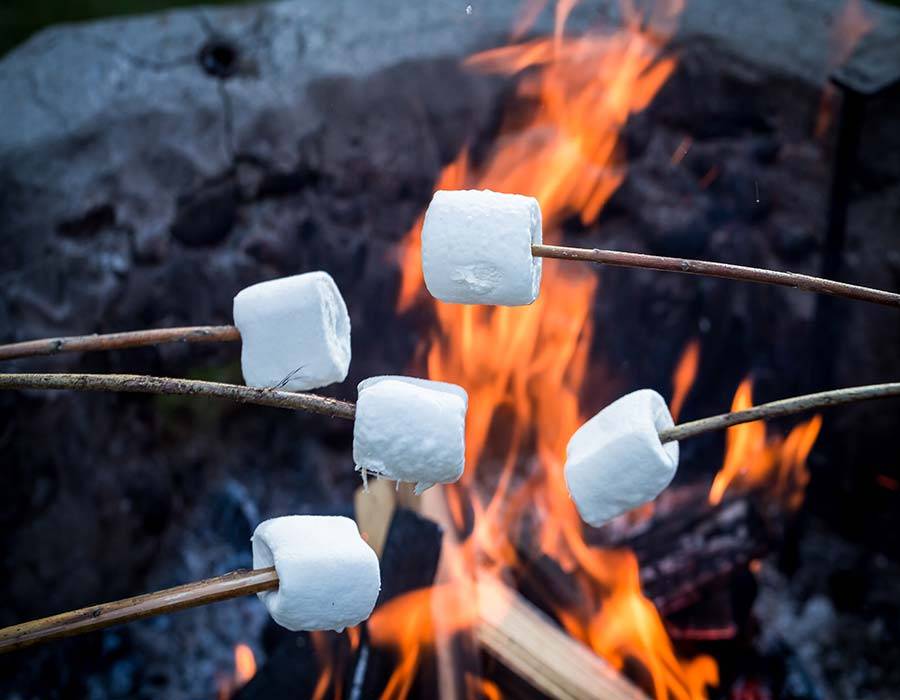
409, 562
689, 555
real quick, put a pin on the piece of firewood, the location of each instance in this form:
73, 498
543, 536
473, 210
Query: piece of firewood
528, 643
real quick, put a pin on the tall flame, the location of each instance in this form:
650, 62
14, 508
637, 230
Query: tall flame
525, 368
685, 374
754, 459
244, 670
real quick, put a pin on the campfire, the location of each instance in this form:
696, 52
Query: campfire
468, 560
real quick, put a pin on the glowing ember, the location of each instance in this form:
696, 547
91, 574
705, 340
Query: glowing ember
525, 368
755, 460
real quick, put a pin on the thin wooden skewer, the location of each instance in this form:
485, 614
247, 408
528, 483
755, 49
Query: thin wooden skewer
212, 590
118, 341
724, 270
219, 334
139, 383
142, 384
784, 407
240, 583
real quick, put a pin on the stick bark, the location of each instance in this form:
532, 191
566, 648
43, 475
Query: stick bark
723, 270
141, 384
784, 407
231, 585
118, 341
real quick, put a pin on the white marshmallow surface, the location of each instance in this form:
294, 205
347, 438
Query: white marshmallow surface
410, 429
295, 332
476, 247
328, 577
616, 462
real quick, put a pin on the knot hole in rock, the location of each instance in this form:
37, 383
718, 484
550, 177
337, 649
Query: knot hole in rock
219, 58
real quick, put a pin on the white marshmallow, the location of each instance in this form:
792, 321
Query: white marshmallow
410, 429
616, 462
295, 329
328, 577
476, 247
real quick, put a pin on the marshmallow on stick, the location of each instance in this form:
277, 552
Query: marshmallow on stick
616, 461
410, 429
476, 247
328, 577
295, 332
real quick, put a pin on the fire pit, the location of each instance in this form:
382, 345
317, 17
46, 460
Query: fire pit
150, 168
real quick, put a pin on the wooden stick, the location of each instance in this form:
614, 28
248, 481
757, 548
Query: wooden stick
221, 334
528, 643
141, 384
784, 407
212, 590
335, 408
118, 341
724, 270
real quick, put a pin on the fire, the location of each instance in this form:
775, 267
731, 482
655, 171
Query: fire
244, 664
525, 368
406, 624
244, 670
482, 689
685, 374
754, 459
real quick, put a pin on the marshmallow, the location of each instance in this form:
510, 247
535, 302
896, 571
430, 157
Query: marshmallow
295, 332
476, 247
410, 429
616, 462
328, 577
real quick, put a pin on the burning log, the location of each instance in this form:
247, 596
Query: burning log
693, 550
409, 561
528, 643
688, 553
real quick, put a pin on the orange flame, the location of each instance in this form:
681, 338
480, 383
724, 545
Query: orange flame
482, 689
685, 374
244, 670
525, 367
754, 459
244, 664
406, 624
